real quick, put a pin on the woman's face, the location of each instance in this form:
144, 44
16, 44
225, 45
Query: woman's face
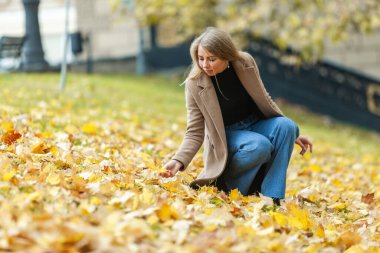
210, 63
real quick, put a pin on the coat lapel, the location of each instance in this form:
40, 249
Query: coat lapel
211, 103
248, 78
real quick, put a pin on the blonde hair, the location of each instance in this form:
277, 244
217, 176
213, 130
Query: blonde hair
215, 41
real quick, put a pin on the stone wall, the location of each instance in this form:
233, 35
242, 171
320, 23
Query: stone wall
111, 35
361, 53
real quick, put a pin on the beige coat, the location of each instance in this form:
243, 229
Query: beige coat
205, 122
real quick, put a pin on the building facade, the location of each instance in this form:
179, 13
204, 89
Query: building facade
113, 36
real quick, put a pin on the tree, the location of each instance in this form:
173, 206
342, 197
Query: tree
32, 53
304, 25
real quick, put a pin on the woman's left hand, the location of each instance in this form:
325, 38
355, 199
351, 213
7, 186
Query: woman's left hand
305, 144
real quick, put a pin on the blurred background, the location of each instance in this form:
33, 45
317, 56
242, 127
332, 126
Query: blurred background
324, 55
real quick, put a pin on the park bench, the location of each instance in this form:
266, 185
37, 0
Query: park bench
10, 52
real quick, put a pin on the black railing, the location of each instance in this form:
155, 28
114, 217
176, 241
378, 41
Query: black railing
168, 57
323, 87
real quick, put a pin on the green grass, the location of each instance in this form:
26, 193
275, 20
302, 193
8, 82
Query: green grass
160, 98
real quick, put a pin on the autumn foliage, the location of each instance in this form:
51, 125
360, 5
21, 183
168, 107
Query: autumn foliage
80, 173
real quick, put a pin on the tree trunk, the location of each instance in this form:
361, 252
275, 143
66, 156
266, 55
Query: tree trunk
32, 58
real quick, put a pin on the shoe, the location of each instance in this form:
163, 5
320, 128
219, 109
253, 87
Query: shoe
276, 201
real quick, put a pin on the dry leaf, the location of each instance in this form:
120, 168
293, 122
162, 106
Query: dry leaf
369, 198
166, 212
10, 137
53, 178
40, 148
9, 175
88, 129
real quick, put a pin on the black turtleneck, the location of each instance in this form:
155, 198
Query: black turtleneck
235, 102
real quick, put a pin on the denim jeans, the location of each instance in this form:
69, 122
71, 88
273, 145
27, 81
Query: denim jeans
259, 145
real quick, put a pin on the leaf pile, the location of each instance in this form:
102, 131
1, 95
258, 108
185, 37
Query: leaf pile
85, 179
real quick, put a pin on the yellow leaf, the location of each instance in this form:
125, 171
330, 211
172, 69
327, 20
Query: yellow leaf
280, 218
4, 186
170, 186
53, 179
312, 248
9, 175
46, 135
40, 148
315, 167
244, 230
94, 178
210, 227
337, 206
34, 196
275, 246
147, 196
319, 231
166, 213
208, 211
297, 222
54, 151
89, 129
356, 249
7, 125
152, 219
234, 195
336, 182
71, 129
314, 196
87, 209
95, 201
348, 239
135, 202
298, 217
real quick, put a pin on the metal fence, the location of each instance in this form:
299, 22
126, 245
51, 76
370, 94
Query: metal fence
324, 87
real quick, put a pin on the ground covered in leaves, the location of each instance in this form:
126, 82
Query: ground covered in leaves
79, 173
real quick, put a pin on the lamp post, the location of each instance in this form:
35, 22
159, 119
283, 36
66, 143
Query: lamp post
32, 57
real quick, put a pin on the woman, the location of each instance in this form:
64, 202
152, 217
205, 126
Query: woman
228, 109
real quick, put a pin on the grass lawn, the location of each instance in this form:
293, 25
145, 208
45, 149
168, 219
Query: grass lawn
80, 172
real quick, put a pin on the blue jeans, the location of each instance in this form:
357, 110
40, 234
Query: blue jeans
259, 145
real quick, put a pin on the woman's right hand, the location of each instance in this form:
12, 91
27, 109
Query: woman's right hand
172, 167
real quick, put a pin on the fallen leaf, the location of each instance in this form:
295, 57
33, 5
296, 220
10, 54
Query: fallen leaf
88, 129
234, 195
298, 217
53, 178
280, 219
10, 137
166, 213
337, 206
368, 198
40, 148
9, 175
348, 239
7, 125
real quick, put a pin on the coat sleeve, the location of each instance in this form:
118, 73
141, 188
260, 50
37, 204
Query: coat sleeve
194, 135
